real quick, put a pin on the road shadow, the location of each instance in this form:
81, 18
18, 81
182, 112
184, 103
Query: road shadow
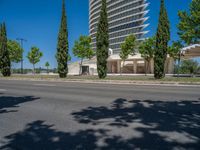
40, 136
10, 102
124, 125
153, 124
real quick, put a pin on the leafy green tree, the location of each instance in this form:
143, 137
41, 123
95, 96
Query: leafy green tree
147, 50
62, 46
102, 39
34, 56
128, 48
162, 39
47, 66
5, 62
189, 66
83, 50
15, 51
189, 26
174, 51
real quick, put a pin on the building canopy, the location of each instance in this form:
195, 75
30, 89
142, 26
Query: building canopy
191, 51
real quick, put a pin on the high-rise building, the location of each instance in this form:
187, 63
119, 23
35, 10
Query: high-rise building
125, 17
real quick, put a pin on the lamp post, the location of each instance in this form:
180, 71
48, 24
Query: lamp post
21, 40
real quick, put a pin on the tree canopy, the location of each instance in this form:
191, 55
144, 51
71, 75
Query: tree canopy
174, 49
189, 26
47, 64
147, 51
82, 49
34, 56
15, 51
128, 47
147, 48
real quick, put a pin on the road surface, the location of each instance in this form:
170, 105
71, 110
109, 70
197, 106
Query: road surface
40, 115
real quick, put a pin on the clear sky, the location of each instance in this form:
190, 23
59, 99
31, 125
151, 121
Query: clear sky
38, 22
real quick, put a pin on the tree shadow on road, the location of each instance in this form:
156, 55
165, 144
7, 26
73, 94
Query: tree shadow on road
9, 102
154, 124
40, 136
124, 125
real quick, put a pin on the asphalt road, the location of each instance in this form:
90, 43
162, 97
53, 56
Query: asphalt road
37, 115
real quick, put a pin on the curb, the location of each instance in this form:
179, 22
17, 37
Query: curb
114, 82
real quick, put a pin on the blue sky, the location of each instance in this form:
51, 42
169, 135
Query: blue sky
38, 22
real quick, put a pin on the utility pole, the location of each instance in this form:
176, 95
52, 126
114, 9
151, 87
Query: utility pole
21, 40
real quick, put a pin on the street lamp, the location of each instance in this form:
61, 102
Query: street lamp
21, 40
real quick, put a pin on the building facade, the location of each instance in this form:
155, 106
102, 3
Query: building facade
125, 17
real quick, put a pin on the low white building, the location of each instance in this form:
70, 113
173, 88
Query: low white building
133, 65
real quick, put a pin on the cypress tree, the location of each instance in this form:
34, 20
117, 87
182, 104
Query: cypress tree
4, 53
1, 42
102, 42
62, 46
162, 39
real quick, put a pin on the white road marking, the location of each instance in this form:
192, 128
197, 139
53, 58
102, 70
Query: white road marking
50, 85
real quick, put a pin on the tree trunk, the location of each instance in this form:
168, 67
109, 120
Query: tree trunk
120, 68
80, 71
34, 69
146, 66
47, 70
123, 67
11, 68
149, 66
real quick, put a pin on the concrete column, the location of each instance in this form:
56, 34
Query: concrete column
171, 66
166, 66
135, 66
118, 66
113, 67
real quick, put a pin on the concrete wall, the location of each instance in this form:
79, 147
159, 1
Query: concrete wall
115, 67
